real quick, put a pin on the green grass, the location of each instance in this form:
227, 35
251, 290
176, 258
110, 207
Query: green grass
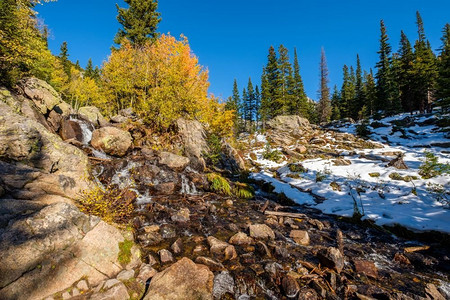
219, 184
124, 256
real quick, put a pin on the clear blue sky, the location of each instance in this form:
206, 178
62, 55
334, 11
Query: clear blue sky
231, 38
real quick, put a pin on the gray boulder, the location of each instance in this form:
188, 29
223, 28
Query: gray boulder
193, 137
285, 130
41, 93
173, 161
93, 114
112, 140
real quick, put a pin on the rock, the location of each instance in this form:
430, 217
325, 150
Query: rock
183, 215
301, 237
217, 246
433, 293
331, 258
182, 280
145, 273
223, 284
173, 161
367, 268
241, 239
93, 114
119, 119
41, 93
168, 231
286, 130
317, 141
193, 137
125, 275
341, 162
71, 130
111, 140
231, 159
398, 163
230, 253
301, 149
54, 120
117, 292
66, 295
308, 294
261, 231
166, 188
82, 285
177, 246
290, 286
211, 263
165, 256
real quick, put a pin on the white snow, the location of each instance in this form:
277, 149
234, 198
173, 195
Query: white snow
382, 199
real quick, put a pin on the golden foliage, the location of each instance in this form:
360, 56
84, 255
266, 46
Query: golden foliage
83, 91
108, 204
162, 81
219, 184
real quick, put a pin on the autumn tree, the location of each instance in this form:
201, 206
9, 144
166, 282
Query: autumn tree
139, 21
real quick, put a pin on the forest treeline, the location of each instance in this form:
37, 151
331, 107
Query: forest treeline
156, 75
408, 80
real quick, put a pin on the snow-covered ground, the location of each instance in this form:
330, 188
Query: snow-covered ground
365, 185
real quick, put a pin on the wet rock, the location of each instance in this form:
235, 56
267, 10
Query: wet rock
168, 231
401, 259
433, 293
367, 268
248, 258
262, 249
217, 246
241, 239
211, 263
257, 268
398, 163
182, 280
230, 253
177, 246
301, 237
223, 284
281, 252
307, 294
71, 130
173, 161
290, 286
319, 225
54, 120
145, 273
273, 268
331, 258
150, 238
165, 256
111, 140
261, 231
200, 250
183, 215
319, 287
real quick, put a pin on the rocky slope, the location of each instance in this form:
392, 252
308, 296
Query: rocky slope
184, 241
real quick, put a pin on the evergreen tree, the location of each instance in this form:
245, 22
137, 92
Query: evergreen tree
233, 104
385, 85
96, 73
335, 104
257, 107
347, 92
370, 92
396, 104
300, 99
271, 87
443, 80
424, 69
250, 105
264, 108
285, 82
359, 100
324, 105
89, 71
405, 78
140, 22
64, 57
244, 109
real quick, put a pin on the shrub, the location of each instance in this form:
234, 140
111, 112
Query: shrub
215, 147
431, 166
297, 168
363, 130
110, 204
219, 184
243, 190
274, 155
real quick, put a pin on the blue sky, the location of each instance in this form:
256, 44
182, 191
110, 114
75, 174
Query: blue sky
231, 38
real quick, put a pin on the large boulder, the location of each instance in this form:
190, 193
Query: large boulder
193, 137
112, 140
231, 159
93, 114
182, 280
36, 162
54, 248
41, 93
173, 161
285, 130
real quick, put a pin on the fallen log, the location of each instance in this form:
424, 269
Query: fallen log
415, 249
285, 214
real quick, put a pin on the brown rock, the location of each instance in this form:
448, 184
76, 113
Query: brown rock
241, 239
398, 163
54, 120
367, 268
177, 246
341, 162
261, 231
112, 140
173, 161
301, 149
165, 256
43, 95
182, 280
433, 293
230, 253
331, 258
145, 273
211, 263
217, 246
71, 130
301, 237
290, 286
183, 215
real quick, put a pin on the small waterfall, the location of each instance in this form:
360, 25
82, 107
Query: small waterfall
187, 187
122, 177
86, 129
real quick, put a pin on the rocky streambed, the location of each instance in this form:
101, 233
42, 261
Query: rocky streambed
265, 248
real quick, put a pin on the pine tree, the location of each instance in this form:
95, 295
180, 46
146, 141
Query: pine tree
257, 107
359, 100
285, 82
396, 103
244, 109
271, 87
347, 92
324, 105
335, 104
405, 79
370, 92
233, 104
264, 108
384, 76
89, 71
140, 22
443, 80
300, 99
250, 105
64, 57
424, 69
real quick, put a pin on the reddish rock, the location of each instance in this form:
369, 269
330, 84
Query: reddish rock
367, 268
301, 237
